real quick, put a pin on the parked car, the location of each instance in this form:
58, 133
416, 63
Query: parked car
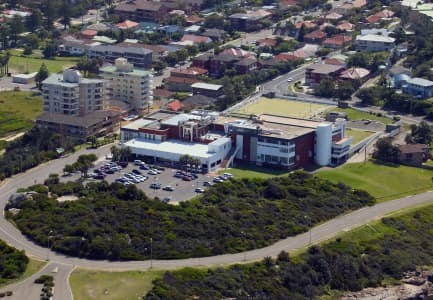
199, 190
99, 176
135, 171
228, 174
155, 186
186, 178
138, 162
152, 172
166, 199
168, 188
207, 183
217, 180
144, 167
123, 164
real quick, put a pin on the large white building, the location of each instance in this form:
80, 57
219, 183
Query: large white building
129, 85
71, 94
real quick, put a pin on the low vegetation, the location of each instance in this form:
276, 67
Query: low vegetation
353, 114
28, 64
91, 284
18, 111
389, 181
117, 222
394, 246
13, 263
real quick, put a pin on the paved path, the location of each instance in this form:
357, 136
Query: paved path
322, 232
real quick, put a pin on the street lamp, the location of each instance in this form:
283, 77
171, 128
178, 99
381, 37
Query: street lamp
309, 231
48, 244
245, 241
151, 252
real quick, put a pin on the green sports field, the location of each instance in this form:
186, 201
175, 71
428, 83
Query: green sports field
284, 107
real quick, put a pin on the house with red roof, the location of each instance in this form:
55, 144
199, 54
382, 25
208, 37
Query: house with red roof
193, 20
333, 16
337, 41
345, 26
180, 84
307, 24
345, 8
266, 42
289, 56
315, 73
191, 72
195, 39
286, 4
315, 37
379, 16
354, 73
174, 105
335, 61
88, 33
127, 24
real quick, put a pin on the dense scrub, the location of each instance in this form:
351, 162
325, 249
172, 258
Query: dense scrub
35, 147
12, 262
117, 222
401, 244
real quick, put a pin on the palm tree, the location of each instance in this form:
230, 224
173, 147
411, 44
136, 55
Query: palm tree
125, 153
115, 153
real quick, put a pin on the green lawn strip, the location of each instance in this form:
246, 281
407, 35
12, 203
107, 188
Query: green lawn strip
251, 171
353, 114
384, 182
33, 267
18, 110
27, 64
358, 135
93, 284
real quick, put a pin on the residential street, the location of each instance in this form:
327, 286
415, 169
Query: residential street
322, 232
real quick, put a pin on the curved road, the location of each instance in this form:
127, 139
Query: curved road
319, 233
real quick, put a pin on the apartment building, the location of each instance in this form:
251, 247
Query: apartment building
139, 56
74, 106
129, 85
71, 94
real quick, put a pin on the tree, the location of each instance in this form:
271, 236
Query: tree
115, 153
66, 14
345, 90
125, 154
92, 140
214, 21
84, 163
50, 50
301, 33
326, 88
16, 27
34, 21
41, 76
68, 169
386, 151
421, 134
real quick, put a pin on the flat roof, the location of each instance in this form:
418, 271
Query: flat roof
172, 147
206, 86
375, 38
135, 125
174, 121
325, 68
420, 82
134, 72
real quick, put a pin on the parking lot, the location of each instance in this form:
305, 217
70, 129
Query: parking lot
182, 190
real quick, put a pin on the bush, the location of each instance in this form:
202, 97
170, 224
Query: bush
9, 293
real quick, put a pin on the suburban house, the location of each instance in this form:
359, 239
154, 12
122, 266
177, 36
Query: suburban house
337, 41
174, 105
345, 26
347, 6
215, 34
193, 19
419, 87
195, 39
333, 17
315, 37
180, 84
335, 61
315, 73
379, 16
374, 43
158, 52
72, 46
250, 20
354, 73
127, 24
191, 72
207, 89
88, 33
414, 154
142, 10
266, 42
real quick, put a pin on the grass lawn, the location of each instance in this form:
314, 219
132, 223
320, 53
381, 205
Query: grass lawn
382, 181
354, 114
251, 171
18, 110
92, 284
358, 135
284, 107
18, 64
33, 267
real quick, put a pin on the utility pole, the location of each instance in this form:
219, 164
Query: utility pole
151, 252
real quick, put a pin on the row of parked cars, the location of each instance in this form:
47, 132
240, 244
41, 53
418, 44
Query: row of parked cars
108, 168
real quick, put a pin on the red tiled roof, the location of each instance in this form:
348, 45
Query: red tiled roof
89, 32
413, 148
338, 40
162, 93
307, 24
334, 61
287, 57
174, 105
127, 24
355, 73
288, 3
190, 71
317, 34
177, 79
345, 26
386, 13
195, 38
266, 42
333, 16
236, 52
193, 19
